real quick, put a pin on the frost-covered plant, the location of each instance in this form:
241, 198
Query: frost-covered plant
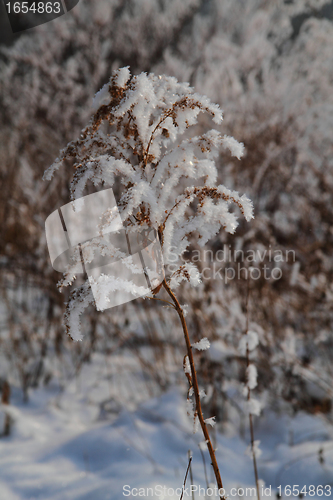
138, 137
132, 136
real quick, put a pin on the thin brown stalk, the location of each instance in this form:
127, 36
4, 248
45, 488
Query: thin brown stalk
186, 473
196, 388
5, 399
191, 473
249, 397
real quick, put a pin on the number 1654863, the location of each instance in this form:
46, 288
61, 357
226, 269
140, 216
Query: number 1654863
310, 491
34, 7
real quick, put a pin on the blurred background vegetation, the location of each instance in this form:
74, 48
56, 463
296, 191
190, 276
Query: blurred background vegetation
269, 65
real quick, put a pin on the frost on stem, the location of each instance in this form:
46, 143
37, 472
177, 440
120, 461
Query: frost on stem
79, 300
187, 272
248, 341
254, 450
254, 407
210, 421
186, 365
202, 345
168, 178
251, 376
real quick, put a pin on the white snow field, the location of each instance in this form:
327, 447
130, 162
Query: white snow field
64, 447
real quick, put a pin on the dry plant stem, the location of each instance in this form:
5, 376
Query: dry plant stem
185, 478
191, 473
253, 453
5, 399
196, 388
249, 397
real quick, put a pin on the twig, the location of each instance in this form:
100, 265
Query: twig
249, 396
165, 116
184, 484
196, 388
166, 301
191, 474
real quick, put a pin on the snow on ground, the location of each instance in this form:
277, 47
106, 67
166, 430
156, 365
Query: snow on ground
64, 447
